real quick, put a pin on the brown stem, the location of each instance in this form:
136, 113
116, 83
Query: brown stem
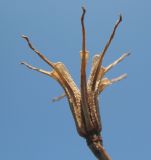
95, 144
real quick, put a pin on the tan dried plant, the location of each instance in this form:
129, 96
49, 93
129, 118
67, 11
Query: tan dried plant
83, 102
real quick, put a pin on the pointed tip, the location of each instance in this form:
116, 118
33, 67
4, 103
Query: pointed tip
24, 37
83, 30
83, 9
120, 17
125, 75
21, 62
84, 4
129, 53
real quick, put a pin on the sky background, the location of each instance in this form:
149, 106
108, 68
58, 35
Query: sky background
33, 128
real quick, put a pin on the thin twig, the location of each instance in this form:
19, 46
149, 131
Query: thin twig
37, 52
114, 80
104, 51
83, 31
36, 69
116, 62
55, 99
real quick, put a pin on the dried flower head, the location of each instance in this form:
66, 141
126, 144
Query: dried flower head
83, 102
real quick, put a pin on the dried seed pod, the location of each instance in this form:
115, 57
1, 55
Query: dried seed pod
83, 102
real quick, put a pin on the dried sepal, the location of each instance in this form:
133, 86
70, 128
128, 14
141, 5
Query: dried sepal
61, 74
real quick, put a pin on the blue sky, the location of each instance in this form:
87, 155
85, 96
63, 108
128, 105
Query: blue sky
33, 128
